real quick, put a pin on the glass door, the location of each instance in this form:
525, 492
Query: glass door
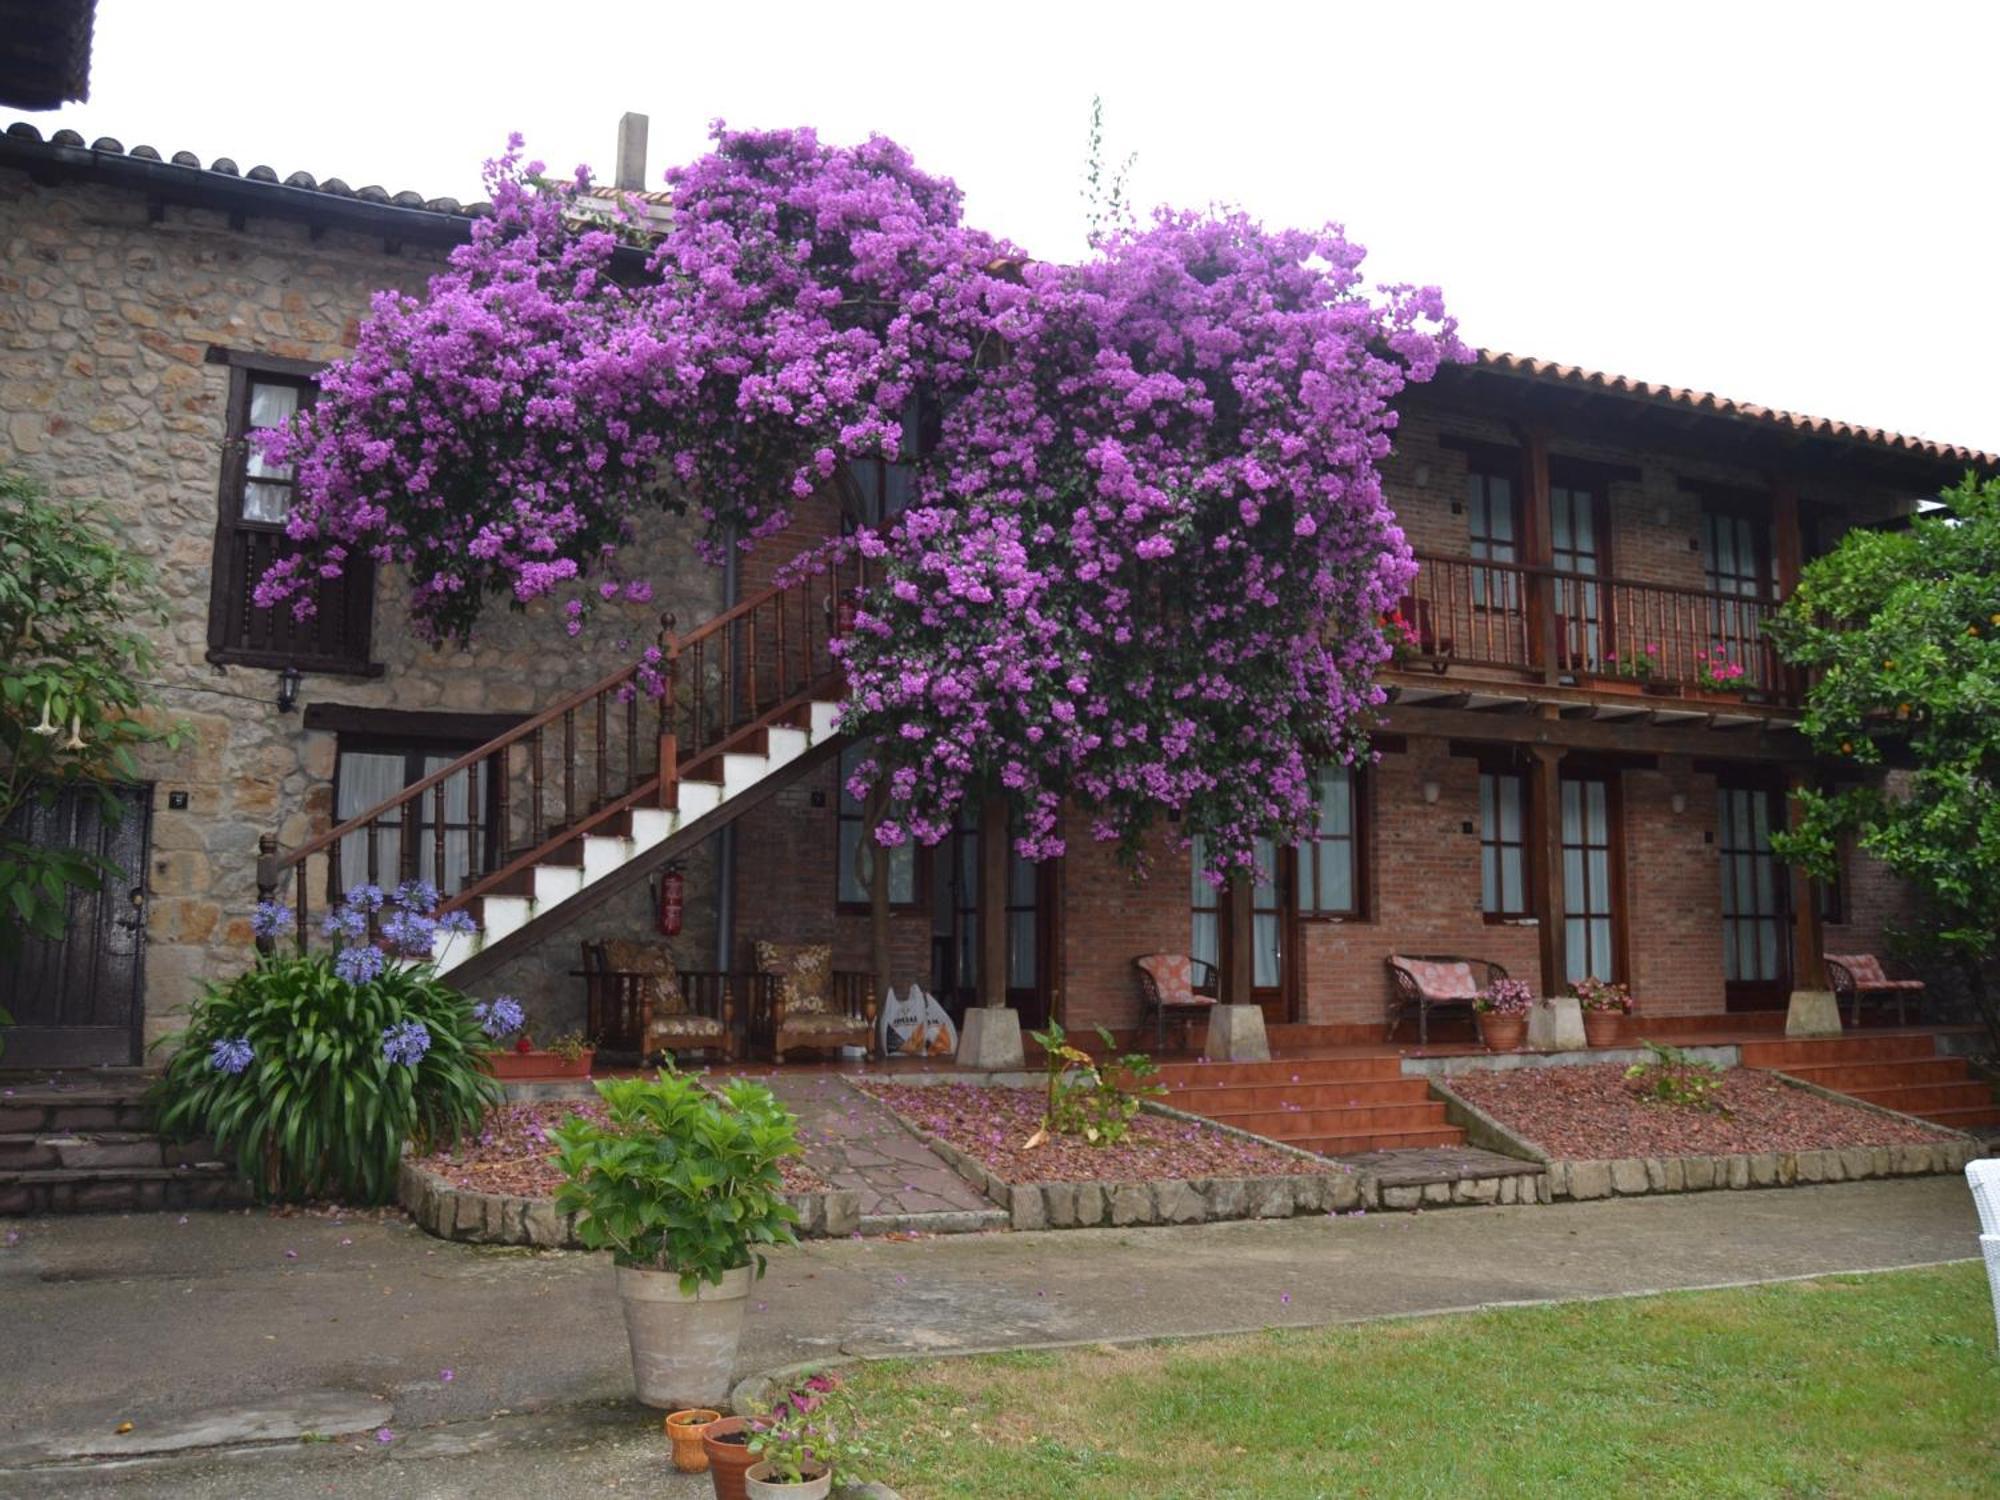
1271, 922
955, 927
1756, 906
1590, 918
1583, 633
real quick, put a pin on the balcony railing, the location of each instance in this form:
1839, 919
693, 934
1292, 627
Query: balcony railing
1579, 627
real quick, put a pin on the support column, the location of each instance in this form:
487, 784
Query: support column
1787, 535
1239, 948
991, 1036
1538, 551
1808, 940
1545, 848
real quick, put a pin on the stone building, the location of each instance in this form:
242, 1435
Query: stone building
1558, 788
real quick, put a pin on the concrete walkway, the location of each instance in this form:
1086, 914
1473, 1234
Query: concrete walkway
230, 1327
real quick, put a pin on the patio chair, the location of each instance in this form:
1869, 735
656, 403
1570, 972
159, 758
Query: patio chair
637, 1001
1984, 1176
1854, 975
1426, 982
798, 999
1173, 989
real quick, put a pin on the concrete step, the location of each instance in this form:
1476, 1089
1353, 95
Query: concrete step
1393, 1140
122, 1190
1285, 1125
30, 1151
1281, 1072
42, 1110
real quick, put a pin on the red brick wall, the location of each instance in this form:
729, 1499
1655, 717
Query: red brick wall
1113, 915
1673, 891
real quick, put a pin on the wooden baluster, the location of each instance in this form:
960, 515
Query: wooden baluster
474, 784
730, 708
784, 691
503, 825
408, 855
299, 914
267, 880
632, 736
535, 777
698, 738
569, 766
601, 791
437, 834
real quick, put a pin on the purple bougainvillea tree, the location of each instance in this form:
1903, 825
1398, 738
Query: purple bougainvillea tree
1148, 553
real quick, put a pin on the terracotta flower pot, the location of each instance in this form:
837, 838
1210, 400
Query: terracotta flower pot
1600, 1027
1501, 1033
760, 1483
684, 1430
728, 1459
538, 1064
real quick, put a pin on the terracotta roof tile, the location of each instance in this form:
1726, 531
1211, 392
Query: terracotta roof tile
1707, 402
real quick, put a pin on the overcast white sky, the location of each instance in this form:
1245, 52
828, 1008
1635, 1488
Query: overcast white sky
1789, 204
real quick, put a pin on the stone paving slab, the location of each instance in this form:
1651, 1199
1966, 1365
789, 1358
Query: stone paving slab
855, 1142
1424, 1164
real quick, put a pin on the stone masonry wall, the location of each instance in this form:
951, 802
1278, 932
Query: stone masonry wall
105, 395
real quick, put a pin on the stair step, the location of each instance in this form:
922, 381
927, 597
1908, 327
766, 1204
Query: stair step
1219, 1098
1925, 1099
1286, 1125
1890, 1048
1966, 1118
46, 1111
1272, 1074
122, 1189
1848, 1077
1393, 1140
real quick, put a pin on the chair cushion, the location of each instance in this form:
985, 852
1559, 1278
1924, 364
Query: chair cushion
804, 973
822, 1024
1173, 978
682, 1028
1865, 967
1440, 981
661, 982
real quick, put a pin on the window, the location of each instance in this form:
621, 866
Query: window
1503, 848
1207, 900
1588, 918
255, 500
853, 846
1330, 866
1754, 886
1493, 527
370, 769
882, 489
1576, 542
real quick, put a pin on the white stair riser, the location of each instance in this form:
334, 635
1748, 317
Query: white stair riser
741, 772
555, 883
503, 914
697, 798
823, 715
650, 825
788, 744
603, 855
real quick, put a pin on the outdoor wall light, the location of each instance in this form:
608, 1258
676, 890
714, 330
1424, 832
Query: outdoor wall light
1431, 791
1423, 475
1678, 802
288, 690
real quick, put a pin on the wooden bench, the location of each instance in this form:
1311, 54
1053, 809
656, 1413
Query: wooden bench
1425, 982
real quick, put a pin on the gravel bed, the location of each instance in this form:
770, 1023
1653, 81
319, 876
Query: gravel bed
510, 1156
993, 1125
1591, 1114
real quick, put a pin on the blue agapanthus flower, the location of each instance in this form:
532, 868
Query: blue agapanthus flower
457, 921
502, 1018
349, 922
271, 919
406, 1042
360, 965
231, 1055
367, 897
409, 932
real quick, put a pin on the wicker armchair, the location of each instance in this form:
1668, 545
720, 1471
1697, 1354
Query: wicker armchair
1425, 982
797, 999
1854, 975
638, 1003
1173, 989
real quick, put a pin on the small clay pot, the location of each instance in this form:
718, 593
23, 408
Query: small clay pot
762, 1483
728, 1460
1600, 1027
1502, 1033
684, 1430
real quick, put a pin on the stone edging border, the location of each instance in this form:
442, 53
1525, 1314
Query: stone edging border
455, 1213
1634, 1176
1081, 1205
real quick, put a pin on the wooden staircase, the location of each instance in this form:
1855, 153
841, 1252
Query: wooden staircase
591, 795
1332, 1106
1897, 1070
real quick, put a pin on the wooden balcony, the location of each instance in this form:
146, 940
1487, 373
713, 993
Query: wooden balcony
1581, 630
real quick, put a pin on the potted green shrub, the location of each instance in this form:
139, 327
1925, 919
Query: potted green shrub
681, 1184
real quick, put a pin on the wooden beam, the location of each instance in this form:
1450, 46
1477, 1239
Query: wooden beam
993, 871
1545, 860
1538, 551
1786, 539
1239, 976
1779, 746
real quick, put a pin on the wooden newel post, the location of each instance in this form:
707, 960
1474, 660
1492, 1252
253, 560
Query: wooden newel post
670, 673
267, 882
993, 870
1240, 978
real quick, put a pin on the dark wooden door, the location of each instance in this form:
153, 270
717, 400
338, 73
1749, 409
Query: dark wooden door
80, 1002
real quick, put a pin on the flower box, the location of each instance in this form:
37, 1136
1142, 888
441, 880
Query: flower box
535, 1063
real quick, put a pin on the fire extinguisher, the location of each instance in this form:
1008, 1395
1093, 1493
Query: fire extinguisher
673, 898
842, 608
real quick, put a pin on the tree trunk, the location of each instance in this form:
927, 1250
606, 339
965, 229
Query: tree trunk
874, 811
993, 899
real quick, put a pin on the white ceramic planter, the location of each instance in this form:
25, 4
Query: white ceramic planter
756, 1486
683, 1347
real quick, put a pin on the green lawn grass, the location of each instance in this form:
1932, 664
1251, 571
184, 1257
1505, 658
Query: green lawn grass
1879, 1385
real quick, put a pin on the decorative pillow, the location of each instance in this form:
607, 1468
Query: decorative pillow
1441, 981
1173, 977
681, 1028
661, 981
1865, 967
805, 975
823, 1024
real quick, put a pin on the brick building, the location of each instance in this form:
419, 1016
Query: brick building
1557, 788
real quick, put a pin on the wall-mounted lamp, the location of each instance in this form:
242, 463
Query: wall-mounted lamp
1678, 802
288, 690
1423, 475
1431, 790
